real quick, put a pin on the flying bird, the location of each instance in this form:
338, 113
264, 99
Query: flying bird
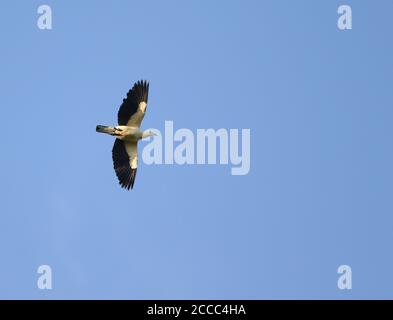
128, 133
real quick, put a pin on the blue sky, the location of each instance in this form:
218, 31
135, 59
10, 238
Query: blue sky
318, 102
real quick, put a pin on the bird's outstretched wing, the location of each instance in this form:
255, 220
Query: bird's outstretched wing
125, 162
133, 108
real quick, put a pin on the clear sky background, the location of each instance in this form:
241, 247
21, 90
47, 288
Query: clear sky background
318, 101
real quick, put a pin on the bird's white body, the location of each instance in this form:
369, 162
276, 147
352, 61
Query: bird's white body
130, 136
125, 133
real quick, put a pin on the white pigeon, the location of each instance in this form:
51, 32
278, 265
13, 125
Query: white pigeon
128, 133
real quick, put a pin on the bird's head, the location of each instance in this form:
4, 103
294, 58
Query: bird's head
148, 133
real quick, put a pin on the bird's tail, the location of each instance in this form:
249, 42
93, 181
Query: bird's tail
105, 129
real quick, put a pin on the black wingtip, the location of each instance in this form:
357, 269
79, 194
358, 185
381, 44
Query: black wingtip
141, 87
128, 183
